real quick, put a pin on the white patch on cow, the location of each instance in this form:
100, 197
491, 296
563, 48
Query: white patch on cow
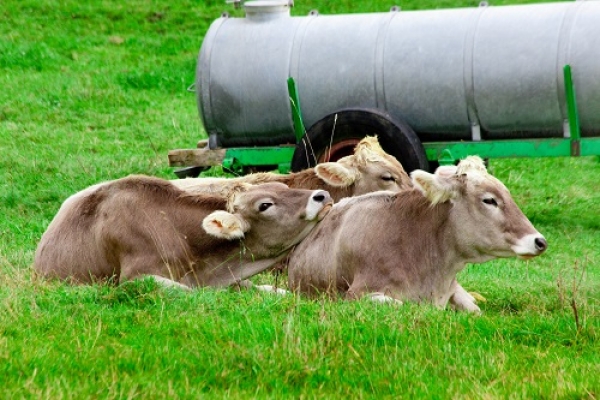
168, 283
433, 187
225, 225
336, 175
526, 246
382, 298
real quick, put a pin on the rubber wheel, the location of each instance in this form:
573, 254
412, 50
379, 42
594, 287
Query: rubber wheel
335, 136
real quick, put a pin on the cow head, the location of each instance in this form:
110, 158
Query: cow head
369, 169
489, 222
270, 217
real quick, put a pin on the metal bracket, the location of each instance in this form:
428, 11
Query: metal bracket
475, 132
572, 113
446, 158
299, 127
232, 164
238, 3
284, 168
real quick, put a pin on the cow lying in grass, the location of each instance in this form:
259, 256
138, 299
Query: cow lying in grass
141, 226
369, 169
410, 245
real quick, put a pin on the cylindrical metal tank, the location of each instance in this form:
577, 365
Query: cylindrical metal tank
440, 71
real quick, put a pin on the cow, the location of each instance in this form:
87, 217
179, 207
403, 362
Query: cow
410, 245
142, 226
369, 169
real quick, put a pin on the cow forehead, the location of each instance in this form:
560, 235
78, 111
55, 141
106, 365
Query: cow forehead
487, 183
385, 161
274, 187
372, 160
273, 191
367, 152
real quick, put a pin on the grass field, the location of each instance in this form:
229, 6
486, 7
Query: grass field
96, 90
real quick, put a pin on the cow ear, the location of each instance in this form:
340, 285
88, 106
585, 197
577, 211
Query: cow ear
446, 171
225, 225
437, 189
335, 174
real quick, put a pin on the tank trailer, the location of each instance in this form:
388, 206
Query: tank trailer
276, 91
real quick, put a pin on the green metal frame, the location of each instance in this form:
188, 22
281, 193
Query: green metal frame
299, 128
237, 159
449, 152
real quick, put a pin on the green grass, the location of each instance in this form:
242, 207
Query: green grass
96, 90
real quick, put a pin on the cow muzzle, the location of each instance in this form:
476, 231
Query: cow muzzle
318, 205
530, 246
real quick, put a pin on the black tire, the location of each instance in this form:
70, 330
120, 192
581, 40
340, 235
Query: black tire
395, 137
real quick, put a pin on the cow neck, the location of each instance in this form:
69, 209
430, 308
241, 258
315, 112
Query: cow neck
464, 253
241, 264
429, 231
448, 234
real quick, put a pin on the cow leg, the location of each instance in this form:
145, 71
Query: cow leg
462, 300
359, 289
148, 265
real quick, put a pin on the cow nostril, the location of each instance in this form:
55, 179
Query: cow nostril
319, 197
541, 244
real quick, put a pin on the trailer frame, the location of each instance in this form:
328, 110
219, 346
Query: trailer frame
241, 160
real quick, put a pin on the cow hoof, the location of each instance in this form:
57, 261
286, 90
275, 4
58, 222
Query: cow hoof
272, 289
382, 298
167, 283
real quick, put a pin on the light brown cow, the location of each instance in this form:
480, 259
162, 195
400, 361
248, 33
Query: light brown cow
369, 169
410, 245
142, 226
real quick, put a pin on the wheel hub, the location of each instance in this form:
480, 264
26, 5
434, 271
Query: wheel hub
338, 150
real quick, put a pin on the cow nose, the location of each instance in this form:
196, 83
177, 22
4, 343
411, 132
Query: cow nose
320, 196
319, 205
540, 244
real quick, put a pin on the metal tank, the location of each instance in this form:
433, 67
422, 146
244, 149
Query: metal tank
490, 72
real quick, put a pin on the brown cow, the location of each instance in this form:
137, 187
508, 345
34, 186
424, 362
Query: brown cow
410, 245
368, 169
142, 226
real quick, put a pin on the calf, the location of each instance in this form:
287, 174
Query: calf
368, 169
410, 245
142, 226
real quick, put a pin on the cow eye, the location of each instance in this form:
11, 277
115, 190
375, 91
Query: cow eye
264, 206
490, 201
388, 177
